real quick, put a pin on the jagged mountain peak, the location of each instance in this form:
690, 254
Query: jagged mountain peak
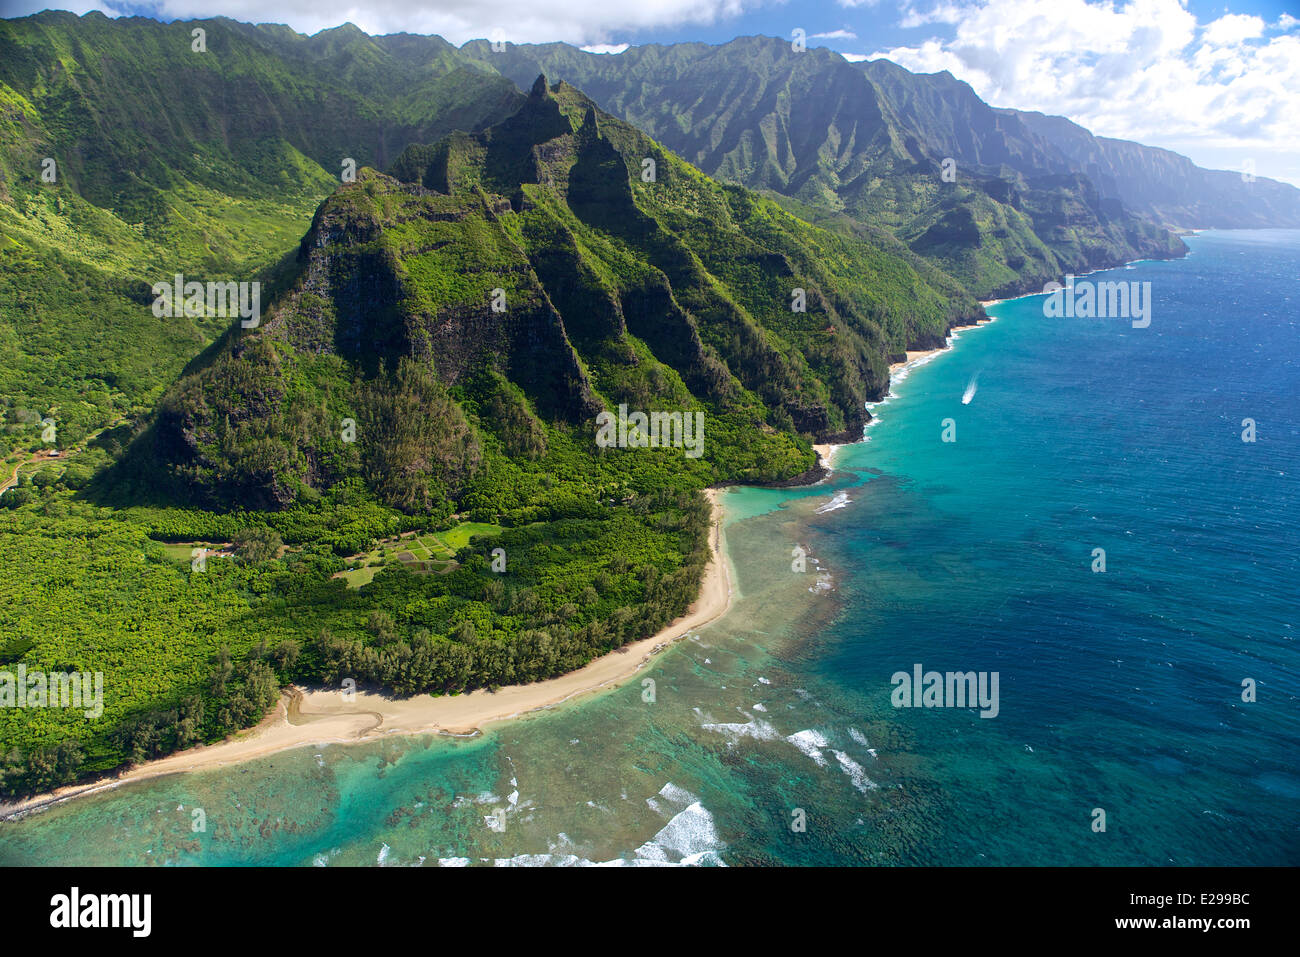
525, 268
866, 141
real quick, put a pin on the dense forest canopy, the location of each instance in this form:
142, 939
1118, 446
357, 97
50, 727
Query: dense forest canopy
393, 474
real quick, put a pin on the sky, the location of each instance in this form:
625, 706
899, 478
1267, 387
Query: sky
1216, 81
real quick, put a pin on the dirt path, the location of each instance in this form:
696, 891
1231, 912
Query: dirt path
12, 480
43, 455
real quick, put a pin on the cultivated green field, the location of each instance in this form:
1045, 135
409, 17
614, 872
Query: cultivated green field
416, 552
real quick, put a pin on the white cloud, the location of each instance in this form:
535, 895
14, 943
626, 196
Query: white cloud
23, 8
1286, 22
939, 13
834, 35
1136, 69
1233, 28
855, 57
519, 21
612, 48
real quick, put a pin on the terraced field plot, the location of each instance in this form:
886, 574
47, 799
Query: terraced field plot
417, 551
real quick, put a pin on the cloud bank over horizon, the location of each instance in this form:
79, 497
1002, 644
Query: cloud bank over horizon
1143, 70
580, 22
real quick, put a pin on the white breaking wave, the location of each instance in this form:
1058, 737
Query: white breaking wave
900, 374
483, 797
686, 839
856, 772
905, 370
689, 839
755, 728
537, 860
970, 389
810, 743
676, 794
840, 500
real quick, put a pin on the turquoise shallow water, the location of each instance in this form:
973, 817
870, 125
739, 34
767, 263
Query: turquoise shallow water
1119, 690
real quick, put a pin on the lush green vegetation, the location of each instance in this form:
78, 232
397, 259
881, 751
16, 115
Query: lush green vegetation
169, 160
862, 145
419, 400
475, 433
190, 654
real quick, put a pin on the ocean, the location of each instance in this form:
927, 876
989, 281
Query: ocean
1145, 714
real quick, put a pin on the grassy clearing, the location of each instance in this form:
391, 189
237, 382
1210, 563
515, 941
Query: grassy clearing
184, 551
457, 538
421, 552
356, 577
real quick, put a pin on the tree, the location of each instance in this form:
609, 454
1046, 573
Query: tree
285, 654
222, 669
381, 625
254, 545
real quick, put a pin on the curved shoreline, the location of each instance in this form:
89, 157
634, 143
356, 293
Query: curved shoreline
304, 718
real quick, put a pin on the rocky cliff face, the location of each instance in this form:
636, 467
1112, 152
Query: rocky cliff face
553, 265
868, 141
1163, 186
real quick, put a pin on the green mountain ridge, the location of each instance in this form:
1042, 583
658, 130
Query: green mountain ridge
867, 142
169, 160
212, 163
438, 338
1167, 188
674, 293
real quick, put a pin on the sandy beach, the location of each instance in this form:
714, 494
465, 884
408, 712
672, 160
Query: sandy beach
825, 452
912, 356
916, 357
311, 717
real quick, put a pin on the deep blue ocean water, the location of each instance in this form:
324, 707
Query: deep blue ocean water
773, 738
